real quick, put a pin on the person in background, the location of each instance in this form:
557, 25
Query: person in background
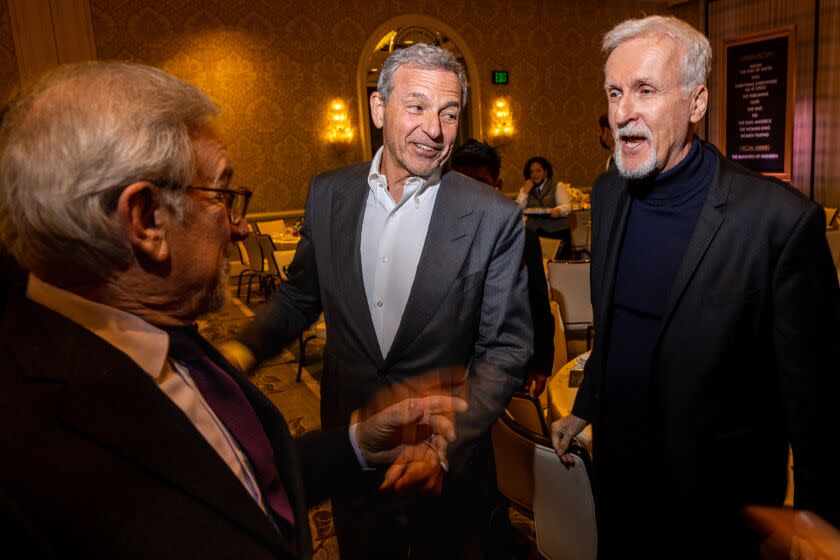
717, 316
127, 434
607, 140
480, 161
538, 193
415, 272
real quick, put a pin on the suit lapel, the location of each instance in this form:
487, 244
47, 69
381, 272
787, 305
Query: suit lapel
612, 250
451, 231
116, 405
348, 210
711, 217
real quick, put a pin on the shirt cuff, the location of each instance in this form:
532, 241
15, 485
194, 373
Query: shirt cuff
352, 433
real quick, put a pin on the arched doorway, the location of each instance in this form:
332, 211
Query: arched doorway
400, 32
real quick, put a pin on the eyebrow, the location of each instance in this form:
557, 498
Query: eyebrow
423, 97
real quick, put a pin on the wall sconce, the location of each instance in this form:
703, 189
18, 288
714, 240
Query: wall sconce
339, 133
501, 121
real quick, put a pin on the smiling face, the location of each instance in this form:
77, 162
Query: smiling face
651, 116
419, 122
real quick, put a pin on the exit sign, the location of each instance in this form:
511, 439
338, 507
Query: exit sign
500, 77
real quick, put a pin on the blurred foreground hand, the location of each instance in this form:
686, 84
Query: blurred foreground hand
794, 534
417, 456
413, 425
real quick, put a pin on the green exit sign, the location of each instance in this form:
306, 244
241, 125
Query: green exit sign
500, 77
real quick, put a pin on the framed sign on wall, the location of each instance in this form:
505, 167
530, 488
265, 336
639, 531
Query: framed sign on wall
758, 76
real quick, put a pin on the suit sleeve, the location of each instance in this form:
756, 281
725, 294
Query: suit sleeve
297, 303
806, 332
504, 342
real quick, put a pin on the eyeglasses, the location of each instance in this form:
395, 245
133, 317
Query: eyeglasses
236, 200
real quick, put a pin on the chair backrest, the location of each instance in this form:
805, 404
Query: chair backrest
271, 227
564, 509
253, 253
580, 222
529, 474
527, 411
568, 283
267, 247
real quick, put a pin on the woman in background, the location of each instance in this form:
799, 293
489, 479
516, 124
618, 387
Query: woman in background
539, 193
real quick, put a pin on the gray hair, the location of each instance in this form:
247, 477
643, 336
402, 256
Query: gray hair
424, 57
697, 52
67, 148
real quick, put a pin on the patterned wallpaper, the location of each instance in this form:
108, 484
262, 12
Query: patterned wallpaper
272, 67
8, 62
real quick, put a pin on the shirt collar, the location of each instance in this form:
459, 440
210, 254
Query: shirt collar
414, 186
145, 344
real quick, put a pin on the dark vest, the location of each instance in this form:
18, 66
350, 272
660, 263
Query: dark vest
544, 199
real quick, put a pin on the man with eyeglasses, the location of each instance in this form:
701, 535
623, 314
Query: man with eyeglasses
127, 435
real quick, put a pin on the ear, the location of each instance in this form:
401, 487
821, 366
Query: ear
699, 101
137, 212
377, 109
498, 184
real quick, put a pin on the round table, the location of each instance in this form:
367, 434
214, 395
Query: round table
561, 396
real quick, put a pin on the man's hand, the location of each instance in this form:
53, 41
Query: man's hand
420, 468
562, 433
391, 433
538, 380
556, 212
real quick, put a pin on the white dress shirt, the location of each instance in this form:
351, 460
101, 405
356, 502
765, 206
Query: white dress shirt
148, 346
393, 235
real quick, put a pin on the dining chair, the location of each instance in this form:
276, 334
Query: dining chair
271, 227
568, 283
550, 247
580, 223
533, 480
271, 270
526, 409
253, 264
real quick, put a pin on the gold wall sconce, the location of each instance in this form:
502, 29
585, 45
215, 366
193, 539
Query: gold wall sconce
501, 121
339, 132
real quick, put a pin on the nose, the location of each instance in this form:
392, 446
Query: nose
624, 111
432, 126
239, 231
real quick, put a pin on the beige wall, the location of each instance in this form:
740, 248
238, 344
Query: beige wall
272, 68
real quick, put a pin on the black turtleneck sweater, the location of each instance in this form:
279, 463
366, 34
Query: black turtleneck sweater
663, 213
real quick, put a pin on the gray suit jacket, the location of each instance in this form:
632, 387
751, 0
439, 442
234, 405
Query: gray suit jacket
746, 359
468, 306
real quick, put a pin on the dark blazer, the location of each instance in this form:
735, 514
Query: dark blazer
99, 463
468, 305
746, 360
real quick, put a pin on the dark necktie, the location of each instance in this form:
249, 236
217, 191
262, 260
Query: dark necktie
231, 406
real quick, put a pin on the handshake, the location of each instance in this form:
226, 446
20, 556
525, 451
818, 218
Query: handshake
409, 425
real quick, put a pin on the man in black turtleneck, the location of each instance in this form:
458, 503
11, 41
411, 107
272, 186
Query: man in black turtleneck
717, 316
